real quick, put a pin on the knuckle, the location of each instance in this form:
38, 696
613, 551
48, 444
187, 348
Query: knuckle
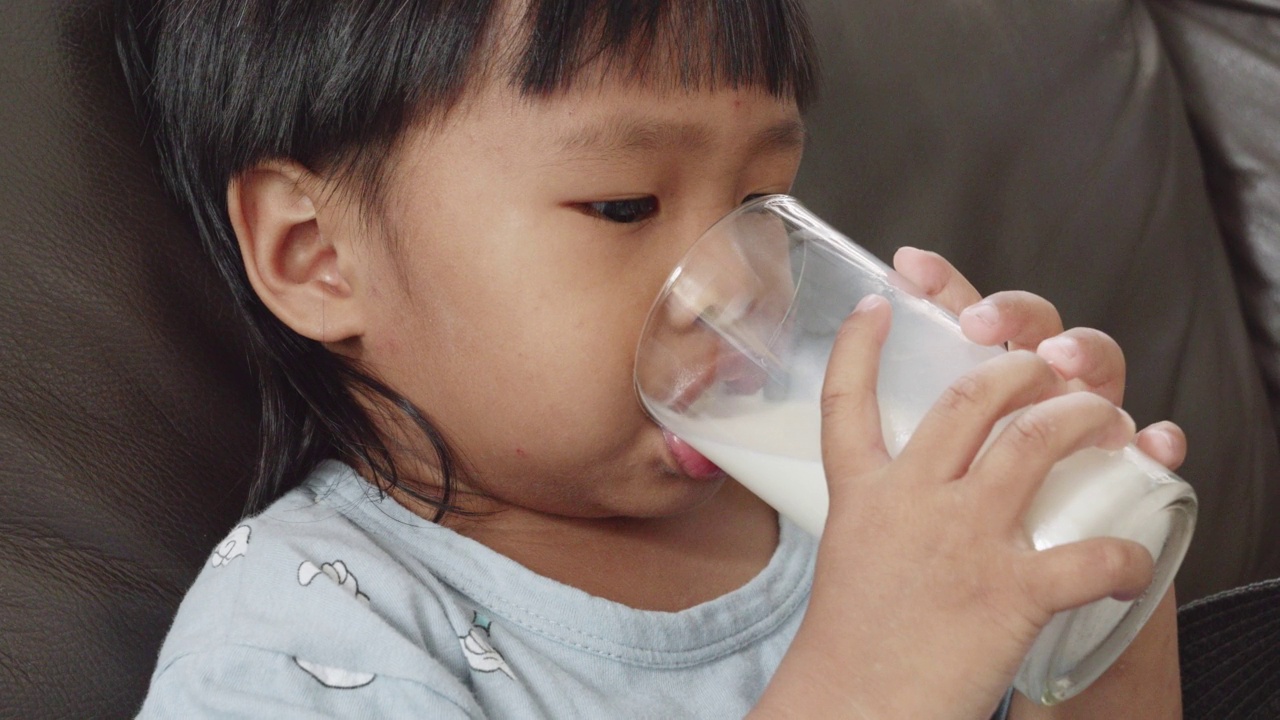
964, 393
840, 402
1041, 374
1114, 560
1033, 429
833, 401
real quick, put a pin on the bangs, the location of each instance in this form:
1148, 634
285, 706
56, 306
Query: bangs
226, 84
682, 44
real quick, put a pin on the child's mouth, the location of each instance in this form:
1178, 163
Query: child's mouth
691, 462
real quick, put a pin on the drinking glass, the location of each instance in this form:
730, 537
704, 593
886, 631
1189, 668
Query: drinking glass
732, 359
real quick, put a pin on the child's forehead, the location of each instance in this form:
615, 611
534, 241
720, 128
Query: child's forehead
638, 132
635, 134
617, 118
602, 132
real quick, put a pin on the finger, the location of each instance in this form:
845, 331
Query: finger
852, 441
1165, 443
937, 278
1089, 359
1019, 318
953, 431
1068, 576
1020, 457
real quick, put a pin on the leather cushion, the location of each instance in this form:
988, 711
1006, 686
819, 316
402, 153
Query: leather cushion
127, 411
1227, 58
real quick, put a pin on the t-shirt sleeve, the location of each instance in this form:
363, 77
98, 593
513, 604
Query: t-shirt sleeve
247, 682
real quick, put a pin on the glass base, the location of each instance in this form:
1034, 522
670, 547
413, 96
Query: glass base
1078, 646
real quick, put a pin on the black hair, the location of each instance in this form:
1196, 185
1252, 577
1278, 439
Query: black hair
224, 85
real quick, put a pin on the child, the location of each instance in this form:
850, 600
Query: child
444, 223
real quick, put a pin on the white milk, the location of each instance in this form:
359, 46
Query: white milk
794, 487
774, 449
1094, 494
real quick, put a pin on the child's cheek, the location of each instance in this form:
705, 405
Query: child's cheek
389, 346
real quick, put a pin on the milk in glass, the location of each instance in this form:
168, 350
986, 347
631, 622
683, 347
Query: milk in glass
774, 449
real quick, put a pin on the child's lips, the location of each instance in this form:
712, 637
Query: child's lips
691, 462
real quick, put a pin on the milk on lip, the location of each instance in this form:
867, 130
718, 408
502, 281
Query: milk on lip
773, 449
794, 487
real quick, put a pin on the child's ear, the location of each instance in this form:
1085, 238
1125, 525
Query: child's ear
300, 267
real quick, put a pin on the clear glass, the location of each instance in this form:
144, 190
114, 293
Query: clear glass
732, 359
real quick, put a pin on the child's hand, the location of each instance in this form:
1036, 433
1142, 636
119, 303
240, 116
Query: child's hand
1087, 359
927, 593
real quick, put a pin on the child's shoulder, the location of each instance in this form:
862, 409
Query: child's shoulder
318, 584
334, 588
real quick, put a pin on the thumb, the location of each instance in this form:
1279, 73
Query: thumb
852, 441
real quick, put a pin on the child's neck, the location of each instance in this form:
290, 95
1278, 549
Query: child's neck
667, 564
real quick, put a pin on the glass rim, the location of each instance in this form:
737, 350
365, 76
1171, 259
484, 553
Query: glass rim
773, 199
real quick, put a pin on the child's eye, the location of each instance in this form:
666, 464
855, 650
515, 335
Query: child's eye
631, 210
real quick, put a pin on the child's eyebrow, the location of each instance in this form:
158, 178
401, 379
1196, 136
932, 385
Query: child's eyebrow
628, 135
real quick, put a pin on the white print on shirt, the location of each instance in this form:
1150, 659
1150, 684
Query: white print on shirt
480, 654
335, 571
236, 544
335, 677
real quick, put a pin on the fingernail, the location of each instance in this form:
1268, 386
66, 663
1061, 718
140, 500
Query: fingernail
985, 312
868, 302
1166, 438
1130, 428
1060, 348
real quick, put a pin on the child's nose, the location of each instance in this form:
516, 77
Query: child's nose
727, 315
734, 285
716, 286
722, 317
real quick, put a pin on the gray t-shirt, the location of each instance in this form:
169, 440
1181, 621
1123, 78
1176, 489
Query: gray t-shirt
336, 603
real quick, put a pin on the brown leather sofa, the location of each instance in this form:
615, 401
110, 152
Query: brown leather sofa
1064, 147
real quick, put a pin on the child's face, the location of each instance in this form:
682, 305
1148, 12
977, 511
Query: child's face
532, 237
